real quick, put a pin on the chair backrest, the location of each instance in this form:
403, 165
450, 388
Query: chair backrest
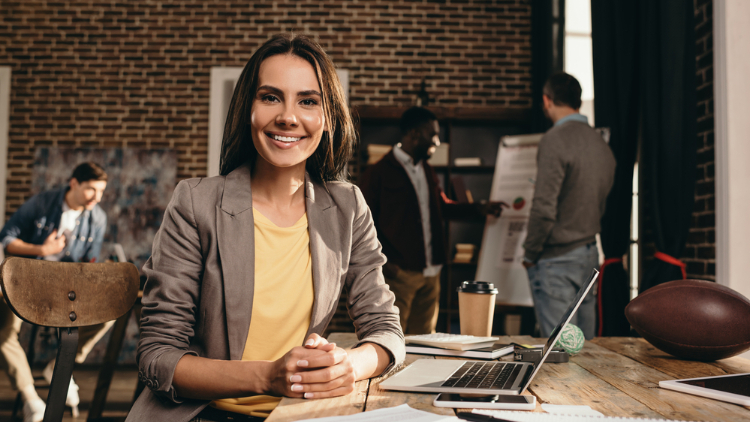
68, 294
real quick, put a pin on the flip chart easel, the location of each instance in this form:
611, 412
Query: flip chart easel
501, 255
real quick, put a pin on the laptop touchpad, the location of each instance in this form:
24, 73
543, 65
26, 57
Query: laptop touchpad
428, 372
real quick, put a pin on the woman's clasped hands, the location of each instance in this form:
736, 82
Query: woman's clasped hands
318, 369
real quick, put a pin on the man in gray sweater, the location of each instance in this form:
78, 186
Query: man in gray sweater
576, 170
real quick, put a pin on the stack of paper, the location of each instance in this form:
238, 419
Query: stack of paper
464, 253
467, 161
451, 341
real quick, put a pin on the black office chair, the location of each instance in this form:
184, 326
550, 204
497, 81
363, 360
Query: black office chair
67, 295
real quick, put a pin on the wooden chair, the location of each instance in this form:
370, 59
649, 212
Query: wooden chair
67, 295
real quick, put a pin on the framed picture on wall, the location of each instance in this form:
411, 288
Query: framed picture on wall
5, 74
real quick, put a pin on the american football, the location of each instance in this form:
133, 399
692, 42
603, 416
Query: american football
692, 319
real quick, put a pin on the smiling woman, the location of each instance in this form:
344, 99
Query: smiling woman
320, 92
248, 267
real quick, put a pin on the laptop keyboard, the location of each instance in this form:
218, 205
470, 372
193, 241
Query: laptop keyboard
484, 375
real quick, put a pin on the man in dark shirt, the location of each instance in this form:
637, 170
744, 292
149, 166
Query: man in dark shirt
64, 224
576, 170
408, 207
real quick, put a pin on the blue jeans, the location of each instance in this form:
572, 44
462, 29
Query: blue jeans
555, 282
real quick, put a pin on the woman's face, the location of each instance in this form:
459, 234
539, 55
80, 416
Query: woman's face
287, 118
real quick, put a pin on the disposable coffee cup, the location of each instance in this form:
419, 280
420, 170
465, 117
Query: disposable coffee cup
476, 307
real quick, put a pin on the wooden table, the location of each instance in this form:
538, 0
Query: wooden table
618, 376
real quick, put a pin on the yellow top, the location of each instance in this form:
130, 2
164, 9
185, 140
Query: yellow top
282, 302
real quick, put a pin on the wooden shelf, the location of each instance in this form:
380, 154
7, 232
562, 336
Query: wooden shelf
473, 169
515, 115
463, 264
465, 169
477, 219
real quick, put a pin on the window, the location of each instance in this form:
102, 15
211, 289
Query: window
578, 59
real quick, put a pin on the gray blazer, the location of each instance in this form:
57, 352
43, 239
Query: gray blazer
199, 294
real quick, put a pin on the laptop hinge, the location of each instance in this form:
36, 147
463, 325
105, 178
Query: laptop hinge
521, 380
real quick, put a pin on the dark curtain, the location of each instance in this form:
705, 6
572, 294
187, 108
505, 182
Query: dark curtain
615, 52
644, 82
669, 120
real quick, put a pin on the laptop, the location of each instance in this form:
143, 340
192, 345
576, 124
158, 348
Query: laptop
480, 377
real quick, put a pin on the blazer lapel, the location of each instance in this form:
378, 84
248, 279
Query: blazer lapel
236, 239
325, 245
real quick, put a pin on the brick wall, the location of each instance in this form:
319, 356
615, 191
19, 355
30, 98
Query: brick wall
700, 249
136, 73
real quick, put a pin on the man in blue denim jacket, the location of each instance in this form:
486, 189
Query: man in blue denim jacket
64, 224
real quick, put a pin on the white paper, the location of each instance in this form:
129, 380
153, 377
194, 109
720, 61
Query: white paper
562, 409
513, 233
520, 416
390, 414
500, 261
514, 179
501, 255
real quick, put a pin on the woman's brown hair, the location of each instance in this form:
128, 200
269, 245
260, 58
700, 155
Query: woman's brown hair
330, 159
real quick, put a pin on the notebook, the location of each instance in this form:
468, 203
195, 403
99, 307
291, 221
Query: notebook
460, 376
450, 341
492, 352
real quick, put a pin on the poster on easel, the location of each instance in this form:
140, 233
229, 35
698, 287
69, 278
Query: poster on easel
501, 255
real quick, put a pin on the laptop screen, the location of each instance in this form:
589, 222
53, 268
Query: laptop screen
563, 322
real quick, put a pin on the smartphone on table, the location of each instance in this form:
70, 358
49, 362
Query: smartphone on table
485, 401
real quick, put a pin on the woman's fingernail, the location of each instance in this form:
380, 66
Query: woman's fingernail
302, 362
308, 395
309, 342
295, 378
297, 387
